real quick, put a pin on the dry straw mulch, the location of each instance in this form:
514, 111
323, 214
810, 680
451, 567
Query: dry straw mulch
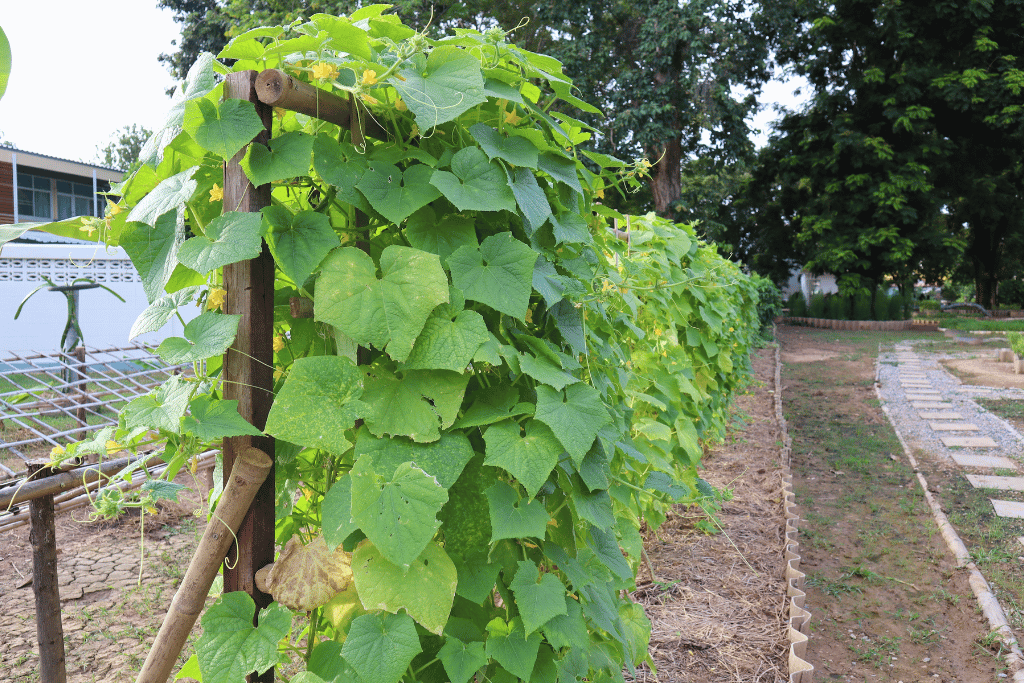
717, 601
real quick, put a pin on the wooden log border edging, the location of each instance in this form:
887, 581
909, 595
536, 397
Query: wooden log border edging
863, 325
800, 670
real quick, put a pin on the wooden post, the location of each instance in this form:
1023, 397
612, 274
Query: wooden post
249, 363
81, 397
43, 537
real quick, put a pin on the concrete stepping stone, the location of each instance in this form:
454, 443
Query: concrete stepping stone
910, 376
993, 462
930, 405
953, 427
920, 396
968, 442
916, 382
1008, 508
939, 415
987, 481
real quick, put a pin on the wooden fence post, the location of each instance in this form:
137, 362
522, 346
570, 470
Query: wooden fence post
248, 370
43, 537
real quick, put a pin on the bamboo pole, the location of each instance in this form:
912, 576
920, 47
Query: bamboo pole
43, 537
249, 362
250, 470
66, 481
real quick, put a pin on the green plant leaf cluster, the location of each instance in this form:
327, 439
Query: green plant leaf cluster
495, 390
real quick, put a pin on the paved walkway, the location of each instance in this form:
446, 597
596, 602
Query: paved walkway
109, 617
934, 411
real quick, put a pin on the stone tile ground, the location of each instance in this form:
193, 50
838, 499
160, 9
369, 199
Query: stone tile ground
110, 618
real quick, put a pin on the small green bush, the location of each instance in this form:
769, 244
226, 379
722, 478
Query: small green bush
833, 307
881, 304
861, 306
929, 305
896, 307
1016, 340
797, 305
769, 304
817, 307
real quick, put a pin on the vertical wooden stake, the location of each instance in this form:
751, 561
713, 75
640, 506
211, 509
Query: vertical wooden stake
43, 537
80, 395
249, 364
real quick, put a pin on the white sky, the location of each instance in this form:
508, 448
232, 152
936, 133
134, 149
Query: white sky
82, 70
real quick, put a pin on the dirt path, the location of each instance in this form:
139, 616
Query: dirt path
886, 599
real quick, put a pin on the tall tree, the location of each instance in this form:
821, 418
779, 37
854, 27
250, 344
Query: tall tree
908, 143
676, 80
123, 148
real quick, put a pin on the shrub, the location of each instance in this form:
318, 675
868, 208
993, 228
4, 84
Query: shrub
769, 304
881, 305
896, 307
1016, 340
833, 307
797, 305
861, 306
817, 307
929, 305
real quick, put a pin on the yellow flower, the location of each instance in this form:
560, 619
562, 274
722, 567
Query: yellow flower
216, 193
400, 105
113, 209
113, 447
731, 329
278, 342
369, 77
657, 332
324, 70
216, 298
512, 118
56, 452
600, 194
88, 229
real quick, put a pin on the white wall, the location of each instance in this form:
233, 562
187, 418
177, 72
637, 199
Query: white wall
104, 320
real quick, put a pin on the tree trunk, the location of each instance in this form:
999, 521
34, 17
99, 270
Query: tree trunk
666, 180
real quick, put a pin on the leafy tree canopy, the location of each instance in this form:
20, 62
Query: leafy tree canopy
123, 149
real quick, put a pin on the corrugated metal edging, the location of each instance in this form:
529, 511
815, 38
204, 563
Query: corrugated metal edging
800, 670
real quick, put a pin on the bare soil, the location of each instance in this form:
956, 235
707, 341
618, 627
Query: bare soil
886, 599
985, 370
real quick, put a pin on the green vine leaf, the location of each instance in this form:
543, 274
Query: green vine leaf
575, 415
380, 647
318, 402
160, 311
499, 273
516, 150
540, 596
299, 242
286, 157
570, 228
339, 164
212, 419
528, 458
568, 630
545, 372
493, 406
231, 237
426, 232
450, 337
230, 647
461, 660
418, 405
336, 513
443, 459
388, 313
396, 509
222, 128
162, 408
154, 251
530, 197
442, 86
171, 194
561, 169
199, 81
206, 335
511, 647
397, 195
425, 589
512, 517
475, 183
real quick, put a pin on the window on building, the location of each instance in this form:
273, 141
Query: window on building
73, 199
34, 197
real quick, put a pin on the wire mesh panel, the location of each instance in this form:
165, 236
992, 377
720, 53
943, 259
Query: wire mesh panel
54, 399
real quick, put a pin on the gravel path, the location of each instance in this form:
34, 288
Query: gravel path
904, 360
